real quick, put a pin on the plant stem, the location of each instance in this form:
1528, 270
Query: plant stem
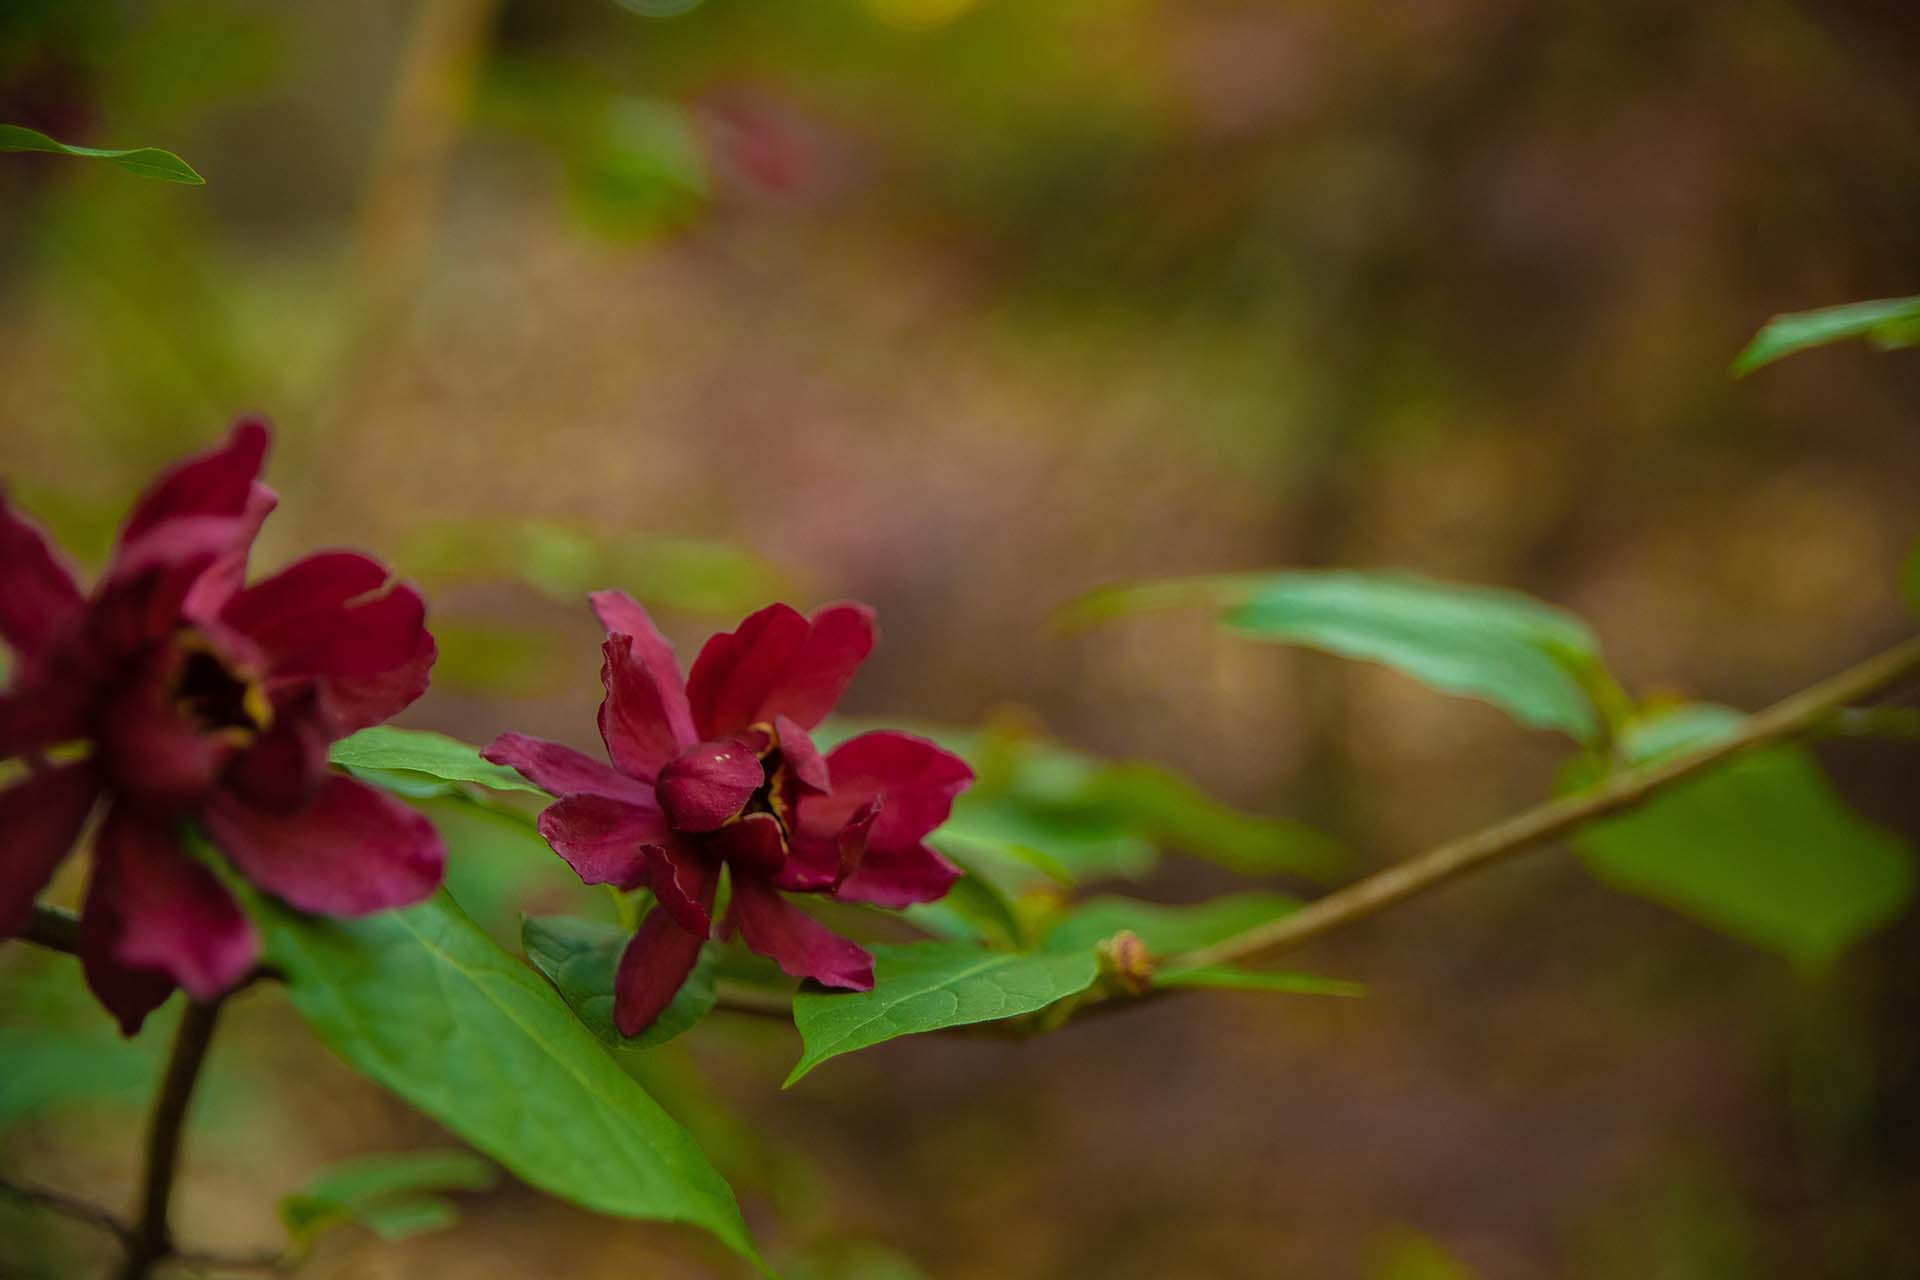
1807, 709
152, 1240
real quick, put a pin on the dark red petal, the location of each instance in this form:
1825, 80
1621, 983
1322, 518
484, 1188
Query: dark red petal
801, 758
148, 742
685, 880
129, 994
795, 941
817, 865
40, 818
174, 916
355, 702
708, 784
38, 593
332, 614
915, 781
228, 573
143, 595
38, 713
287, 765
560, 770
352, 851
621, 614
778, 663
755, 843
641, 724
602, 839
216, 483
652, 970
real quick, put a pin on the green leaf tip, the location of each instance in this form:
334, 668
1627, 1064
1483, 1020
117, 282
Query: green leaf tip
147, 162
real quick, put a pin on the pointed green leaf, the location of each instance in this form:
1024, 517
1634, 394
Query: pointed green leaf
1761, 848
418, 751
1887, 322
930, 985
424, 1003
580, 958
1167, 930
148, 162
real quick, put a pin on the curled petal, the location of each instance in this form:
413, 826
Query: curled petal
351, 851
560, 770
640, 721
38, 593
287, 765
172, 915
916, 782
40, 818
652, 970
800, 757
228, 573
685, 880
218, 482
819, 865
778, 663
707, 785
795, 941
621, 614
143, 596
604, 840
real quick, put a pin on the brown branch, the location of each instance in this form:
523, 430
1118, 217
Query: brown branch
152, 1239
1809, 709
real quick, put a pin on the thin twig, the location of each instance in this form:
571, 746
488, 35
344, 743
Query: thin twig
152, 1239
1807, 709
70, 1207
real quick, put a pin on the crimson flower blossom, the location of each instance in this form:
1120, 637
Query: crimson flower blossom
716, 770
174, 695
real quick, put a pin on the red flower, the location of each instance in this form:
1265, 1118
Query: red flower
717, 770
175, 694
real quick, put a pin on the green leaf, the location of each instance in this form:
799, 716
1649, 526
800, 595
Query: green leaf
1887, 322
1167, 931
424, 1003
386, 1194
419, 751
1179, 815
148, 162
1227, 978
1526, 658
973, 910
1763, 849
1532, 660
580, 958
1672, 730
930, 985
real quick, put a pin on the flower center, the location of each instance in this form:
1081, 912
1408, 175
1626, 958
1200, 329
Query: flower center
214, 698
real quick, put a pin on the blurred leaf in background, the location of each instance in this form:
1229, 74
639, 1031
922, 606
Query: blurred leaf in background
1538, 663
1887, 323
394, 1196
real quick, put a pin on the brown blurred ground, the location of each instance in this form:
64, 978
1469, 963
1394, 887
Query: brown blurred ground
970, 318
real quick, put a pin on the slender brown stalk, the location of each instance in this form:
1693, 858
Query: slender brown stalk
151, 1241
1802, 711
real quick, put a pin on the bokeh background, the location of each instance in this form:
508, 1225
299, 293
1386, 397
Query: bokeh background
962, 307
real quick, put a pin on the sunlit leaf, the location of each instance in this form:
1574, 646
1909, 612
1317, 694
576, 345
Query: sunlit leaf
1886, 322
1763, 849
419, 751
1532, 660
580, 958
930, 985
425, 1004
973, 910
148, 162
